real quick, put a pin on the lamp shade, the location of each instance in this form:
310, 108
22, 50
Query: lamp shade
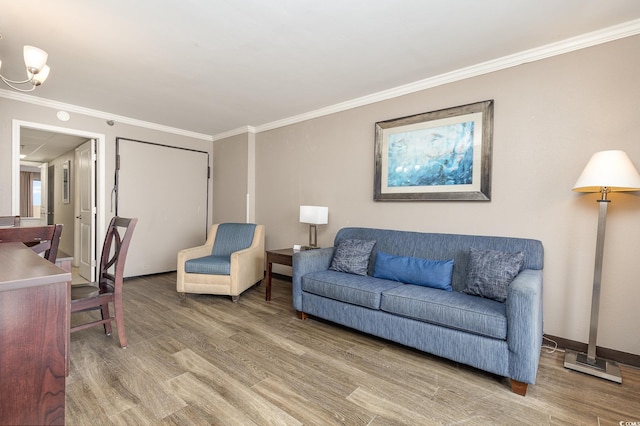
35, 59
39, 78
611, 169
315, 215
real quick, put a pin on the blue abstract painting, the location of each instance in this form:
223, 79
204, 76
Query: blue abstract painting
435, 156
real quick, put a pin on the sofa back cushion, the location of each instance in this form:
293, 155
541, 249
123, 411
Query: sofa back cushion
437, 246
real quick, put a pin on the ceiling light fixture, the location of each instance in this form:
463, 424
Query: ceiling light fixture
35, 61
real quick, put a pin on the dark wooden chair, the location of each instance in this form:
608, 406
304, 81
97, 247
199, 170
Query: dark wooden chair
108, 288
8, 221
41, 239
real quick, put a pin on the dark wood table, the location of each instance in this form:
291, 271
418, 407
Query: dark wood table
281, 257
34, 331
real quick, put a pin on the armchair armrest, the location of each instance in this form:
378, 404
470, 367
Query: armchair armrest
183, 256
193, 253
524, 325
304, 262
247, 265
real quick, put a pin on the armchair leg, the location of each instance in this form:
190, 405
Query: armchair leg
235, 299
519, 387
181, 296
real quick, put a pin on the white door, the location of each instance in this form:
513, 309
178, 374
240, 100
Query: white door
166, 189
44, 190
85, 244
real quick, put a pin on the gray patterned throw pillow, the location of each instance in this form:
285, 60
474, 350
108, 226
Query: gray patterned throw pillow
490, 272
352, 256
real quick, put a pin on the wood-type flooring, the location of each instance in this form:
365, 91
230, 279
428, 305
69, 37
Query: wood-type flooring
207, 361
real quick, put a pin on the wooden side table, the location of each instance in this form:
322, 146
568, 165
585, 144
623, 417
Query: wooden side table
281, 257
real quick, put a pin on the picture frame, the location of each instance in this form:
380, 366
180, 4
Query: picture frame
66, 182
440, 155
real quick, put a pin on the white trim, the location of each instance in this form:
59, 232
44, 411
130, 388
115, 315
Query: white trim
17, 96
234, 132
100, 168
251, 177
583, 41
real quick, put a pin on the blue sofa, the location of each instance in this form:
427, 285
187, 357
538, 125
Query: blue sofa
503, 338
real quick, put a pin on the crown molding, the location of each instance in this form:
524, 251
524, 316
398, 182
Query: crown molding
583, 41
235, 132
17, 96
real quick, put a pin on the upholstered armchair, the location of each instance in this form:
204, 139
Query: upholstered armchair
230, 261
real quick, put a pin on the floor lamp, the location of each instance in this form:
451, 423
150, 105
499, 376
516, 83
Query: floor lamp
607, 171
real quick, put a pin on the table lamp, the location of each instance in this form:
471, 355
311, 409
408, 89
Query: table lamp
314, 215
607, 171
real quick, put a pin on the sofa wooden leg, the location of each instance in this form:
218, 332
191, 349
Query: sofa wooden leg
303, 316
519, 387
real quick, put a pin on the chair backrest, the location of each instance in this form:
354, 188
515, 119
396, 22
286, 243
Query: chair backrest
9, 221
40, 238
232, 237
114, 253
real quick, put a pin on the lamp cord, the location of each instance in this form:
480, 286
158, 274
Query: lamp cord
550, 349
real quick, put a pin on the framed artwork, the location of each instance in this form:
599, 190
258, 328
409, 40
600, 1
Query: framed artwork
438, 155
66, 182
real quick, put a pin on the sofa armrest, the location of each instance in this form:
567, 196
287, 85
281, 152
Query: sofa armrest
524, 325
304, 262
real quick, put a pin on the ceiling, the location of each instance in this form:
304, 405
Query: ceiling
212, 66
42, 146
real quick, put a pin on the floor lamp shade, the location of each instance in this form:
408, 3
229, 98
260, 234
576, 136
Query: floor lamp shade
314, 215
606, 171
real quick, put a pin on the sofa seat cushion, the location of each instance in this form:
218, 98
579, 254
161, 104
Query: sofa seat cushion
472, 314
349, 288
212, 265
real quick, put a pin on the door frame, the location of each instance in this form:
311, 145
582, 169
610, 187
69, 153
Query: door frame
100, 168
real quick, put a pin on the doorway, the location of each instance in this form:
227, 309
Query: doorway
57, 143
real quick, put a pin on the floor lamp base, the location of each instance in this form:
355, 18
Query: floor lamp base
603, 368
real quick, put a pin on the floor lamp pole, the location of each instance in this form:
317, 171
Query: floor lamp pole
597, 277
589, 363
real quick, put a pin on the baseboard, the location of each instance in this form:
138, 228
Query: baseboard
612, 354
281, 277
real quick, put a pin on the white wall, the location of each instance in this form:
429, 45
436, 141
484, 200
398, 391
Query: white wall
230, 179
64, 213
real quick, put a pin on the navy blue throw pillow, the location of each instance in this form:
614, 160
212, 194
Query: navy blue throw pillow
413, 270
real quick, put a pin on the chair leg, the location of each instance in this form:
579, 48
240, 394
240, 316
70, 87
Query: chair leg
104, 311
119, 315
